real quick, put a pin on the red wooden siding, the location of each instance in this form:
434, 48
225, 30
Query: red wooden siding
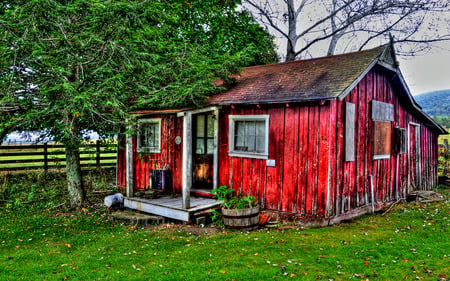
171, 154
306, 141
310, 177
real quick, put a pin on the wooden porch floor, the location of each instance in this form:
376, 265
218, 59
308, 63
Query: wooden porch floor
170, 207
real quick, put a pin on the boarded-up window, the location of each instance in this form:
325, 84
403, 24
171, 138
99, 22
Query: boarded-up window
382, 111
399, 140
382, 115
349, 131
382, 144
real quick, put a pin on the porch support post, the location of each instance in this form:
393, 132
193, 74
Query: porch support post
216, 150
187, 159
129, 163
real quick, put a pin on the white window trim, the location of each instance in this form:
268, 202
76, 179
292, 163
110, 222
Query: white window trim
147, 149
231, 128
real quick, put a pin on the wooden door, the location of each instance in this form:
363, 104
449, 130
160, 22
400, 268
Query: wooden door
203, 151
413, 158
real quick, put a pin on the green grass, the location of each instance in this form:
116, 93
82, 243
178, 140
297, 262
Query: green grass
411, 242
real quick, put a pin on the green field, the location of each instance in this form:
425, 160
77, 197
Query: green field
39, 241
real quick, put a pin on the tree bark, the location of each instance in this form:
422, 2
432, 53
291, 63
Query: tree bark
292, 32
74, 178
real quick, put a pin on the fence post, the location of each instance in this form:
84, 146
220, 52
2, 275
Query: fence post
45, 157
446, 153
97, 153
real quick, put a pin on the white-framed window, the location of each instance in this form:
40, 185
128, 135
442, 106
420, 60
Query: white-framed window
149, 135
249, 136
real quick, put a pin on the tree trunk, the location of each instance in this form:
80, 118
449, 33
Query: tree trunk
292, 31
74, 178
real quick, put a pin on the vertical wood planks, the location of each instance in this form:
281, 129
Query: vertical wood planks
276, 151
307, 142
291, 136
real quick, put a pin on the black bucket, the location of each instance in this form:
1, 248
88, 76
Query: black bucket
161, 180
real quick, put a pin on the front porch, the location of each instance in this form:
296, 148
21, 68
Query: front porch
171, 207
184, 200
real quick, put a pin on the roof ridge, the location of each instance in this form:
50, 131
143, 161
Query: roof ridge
381, 48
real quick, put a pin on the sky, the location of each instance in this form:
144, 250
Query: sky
423, 73
429, 72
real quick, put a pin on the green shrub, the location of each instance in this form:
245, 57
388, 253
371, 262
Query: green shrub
233, 201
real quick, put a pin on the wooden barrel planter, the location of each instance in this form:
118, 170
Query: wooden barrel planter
246, 219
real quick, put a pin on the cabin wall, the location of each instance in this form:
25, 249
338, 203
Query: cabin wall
171, 154
310, 177
302, 142
352, 182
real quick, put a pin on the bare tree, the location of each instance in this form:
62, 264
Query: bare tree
343, 25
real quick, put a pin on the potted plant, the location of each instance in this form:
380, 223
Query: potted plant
238, 211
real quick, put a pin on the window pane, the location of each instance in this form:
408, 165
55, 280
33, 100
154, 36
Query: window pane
143, 138
240, 128
239, 143
260, 128
210, 146
260, 144
200, 125
210, 126
250, 142
250, 128
156, 138
200, 147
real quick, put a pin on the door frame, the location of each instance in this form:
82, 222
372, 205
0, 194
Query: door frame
188, 153
417, 166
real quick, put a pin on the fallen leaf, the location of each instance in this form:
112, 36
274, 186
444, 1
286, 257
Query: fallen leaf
222, 271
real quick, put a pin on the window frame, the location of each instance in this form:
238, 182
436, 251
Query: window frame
385, 127
400, 140
382, 113
231, 133
143, 149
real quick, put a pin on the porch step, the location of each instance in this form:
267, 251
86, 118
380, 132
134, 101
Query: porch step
133, 217
171, 207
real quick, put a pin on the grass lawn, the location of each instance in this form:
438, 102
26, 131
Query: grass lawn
411, 242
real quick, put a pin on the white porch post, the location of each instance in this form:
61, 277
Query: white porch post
187, 159
216, 149
129, 164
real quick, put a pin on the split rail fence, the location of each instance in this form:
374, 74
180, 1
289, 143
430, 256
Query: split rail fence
52, 156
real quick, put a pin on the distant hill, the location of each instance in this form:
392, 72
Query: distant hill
436, 104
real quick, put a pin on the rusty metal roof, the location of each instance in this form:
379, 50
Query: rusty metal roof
304, 80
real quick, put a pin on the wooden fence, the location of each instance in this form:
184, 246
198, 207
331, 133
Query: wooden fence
444, 159
52, 156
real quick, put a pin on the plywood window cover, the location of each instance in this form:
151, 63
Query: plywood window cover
157, 141
382, 140
231, 136
350, 118
382, 117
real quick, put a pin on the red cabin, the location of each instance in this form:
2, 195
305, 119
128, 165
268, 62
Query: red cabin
319, 140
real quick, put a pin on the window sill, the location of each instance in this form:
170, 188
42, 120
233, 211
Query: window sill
248, 155
381, 157
149, 150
